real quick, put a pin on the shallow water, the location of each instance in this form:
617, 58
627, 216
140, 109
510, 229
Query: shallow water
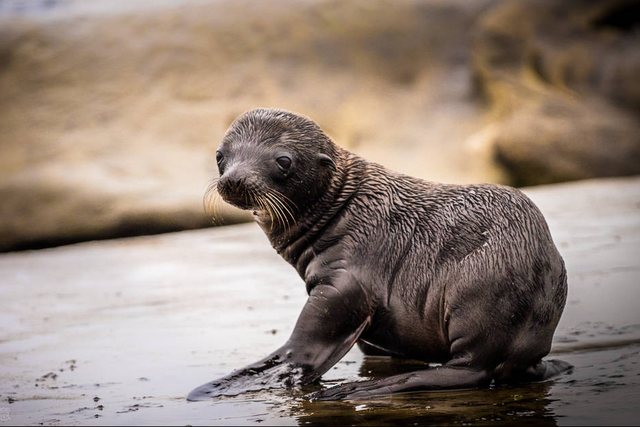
118, 332
604, 389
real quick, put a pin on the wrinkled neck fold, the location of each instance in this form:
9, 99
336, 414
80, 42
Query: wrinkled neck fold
311, 223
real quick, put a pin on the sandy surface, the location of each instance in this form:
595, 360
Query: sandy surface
118, 332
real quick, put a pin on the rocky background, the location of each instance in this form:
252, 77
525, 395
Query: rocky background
110, 111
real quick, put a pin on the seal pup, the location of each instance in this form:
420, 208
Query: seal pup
463, 275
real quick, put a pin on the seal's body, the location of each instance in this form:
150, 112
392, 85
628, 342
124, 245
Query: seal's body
464, 275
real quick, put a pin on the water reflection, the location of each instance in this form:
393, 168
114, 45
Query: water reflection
503, 405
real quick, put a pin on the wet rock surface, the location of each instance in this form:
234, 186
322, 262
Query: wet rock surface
111, 110
561, 82
118, 332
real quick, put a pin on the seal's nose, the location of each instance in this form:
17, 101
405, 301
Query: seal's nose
232, 182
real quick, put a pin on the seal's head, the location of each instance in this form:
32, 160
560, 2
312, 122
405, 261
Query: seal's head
275, 162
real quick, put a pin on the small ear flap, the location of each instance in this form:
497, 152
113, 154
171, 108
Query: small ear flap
326, 160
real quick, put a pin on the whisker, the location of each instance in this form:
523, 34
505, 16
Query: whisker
270, 211
211, 200
285, 198
257, 199
284, 206
284, 220
276, 209
285, 201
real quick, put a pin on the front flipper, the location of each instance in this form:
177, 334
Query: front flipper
266, 374
331, 321
433, 379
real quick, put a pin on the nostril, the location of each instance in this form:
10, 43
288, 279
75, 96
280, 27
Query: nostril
233, 183
236, 183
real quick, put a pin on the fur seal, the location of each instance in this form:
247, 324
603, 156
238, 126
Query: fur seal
463, 275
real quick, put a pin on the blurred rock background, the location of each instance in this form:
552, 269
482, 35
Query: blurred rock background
111, 111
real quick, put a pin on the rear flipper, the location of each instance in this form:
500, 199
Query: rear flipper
440, 378
542, 371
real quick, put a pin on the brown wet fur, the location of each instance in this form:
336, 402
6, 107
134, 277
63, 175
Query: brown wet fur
463, 275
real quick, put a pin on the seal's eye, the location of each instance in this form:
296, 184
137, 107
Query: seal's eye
284, 162
219, 156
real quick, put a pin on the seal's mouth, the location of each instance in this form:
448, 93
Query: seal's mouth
217, 192
240, 203
240, 197
271, 205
